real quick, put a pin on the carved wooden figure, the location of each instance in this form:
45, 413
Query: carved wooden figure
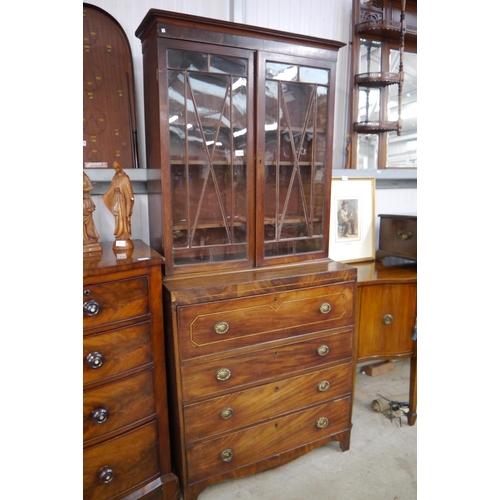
90, 234
119, 200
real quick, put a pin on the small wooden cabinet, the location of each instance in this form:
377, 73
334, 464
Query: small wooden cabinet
387, 316
126, 444
264, 366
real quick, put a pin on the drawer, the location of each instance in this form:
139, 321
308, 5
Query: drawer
117, 405
228, 324
227, 413
218, 456
221, 375
107, 303
398, 236
108, 354
132, 458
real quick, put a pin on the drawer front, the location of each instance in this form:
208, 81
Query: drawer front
256, 367
387, 320
132, 458
115, 301
109, 354
262, 441
227, 413
398, 236
112, 406
229, 324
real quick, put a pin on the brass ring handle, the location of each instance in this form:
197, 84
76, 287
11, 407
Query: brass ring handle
323, 386
322, 422
226, 413
223, 374
227, 455
323, 350
325, 308
221, 328
387, 319
404, 236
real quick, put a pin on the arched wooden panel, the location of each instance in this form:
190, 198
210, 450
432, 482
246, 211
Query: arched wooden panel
109, 120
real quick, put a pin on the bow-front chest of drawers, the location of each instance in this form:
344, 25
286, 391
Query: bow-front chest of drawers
261, 368
126, 444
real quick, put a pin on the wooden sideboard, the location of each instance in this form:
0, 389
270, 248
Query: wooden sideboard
126, 443
387, 316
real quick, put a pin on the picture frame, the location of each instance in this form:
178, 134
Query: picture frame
352, 232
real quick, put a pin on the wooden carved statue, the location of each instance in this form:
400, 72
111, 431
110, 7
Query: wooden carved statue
90, 234
119, 200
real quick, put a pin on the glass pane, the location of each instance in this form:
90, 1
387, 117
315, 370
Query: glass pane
208, 151
402, 149
228, 65
369, 105
182, 59
314, 75
295, 156
367, 151
370, 56
285, 72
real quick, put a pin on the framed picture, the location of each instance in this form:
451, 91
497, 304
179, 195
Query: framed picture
352, 232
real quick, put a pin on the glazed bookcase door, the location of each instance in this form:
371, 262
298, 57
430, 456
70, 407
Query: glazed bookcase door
210, 144
294, 167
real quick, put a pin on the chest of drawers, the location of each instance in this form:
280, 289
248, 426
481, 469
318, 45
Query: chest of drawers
261, 368
126, 444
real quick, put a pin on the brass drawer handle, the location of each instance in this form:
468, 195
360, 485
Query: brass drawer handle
387, 319
223, 374
404, 236
325, 308
221, 328
227, 455
323, 386
322, 422
323, 350
226, 413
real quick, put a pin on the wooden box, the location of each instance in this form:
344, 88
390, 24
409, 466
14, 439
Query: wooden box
398, 236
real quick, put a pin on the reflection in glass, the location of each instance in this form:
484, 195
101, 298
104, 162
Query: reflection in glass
369, 104
208, 128
295, 156
370, 56
368, 147
402, 149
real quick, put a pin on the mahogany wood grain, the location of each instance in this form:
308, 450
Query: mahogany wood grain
262, 365
126, 380
388, 287
266, 401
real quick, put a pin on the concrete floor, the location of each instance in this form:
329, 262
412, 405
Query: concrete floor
381, 463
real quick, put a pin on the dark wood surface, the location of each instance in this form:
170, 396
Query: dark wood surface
287, 311
274, 371
384, 289
124, 377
